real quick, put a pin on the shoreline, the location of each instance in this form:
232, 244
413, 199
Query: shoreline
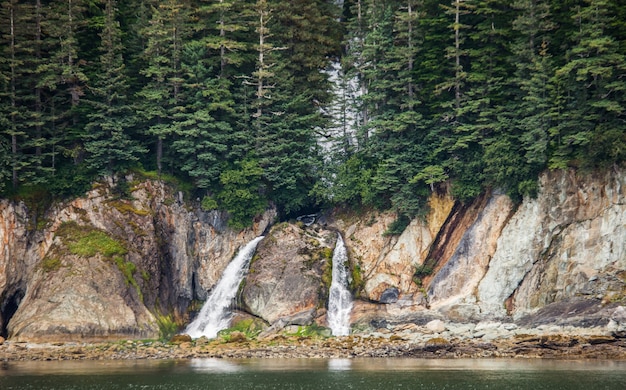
554, 346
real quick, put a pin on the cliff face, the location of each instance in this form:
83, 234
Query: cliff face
565, 249
559, 258
105, 267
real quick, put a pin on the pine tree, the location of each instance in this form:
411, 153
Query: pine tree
108, 143
161, 93
531, 103
9, 106
203, 128
590, 95
66, 70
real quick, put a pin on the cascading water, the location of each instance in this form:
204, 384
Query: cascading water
339, 298
215, 315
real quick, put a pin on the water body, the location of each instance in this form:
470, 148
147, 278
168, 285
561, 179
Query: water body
362, 374
339, 297
215, 314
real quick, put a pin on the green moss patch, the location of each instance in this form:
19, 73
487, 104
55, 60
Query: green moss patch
356, 282
128, 208
249, 327
51, 264
312, 331
87, 241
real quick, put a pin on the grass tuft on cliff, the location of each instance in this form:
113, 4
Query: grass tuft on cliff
86, 241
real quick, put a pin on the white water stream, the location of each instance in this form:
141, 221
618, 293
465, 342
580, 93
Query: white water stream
215, 314
339, 298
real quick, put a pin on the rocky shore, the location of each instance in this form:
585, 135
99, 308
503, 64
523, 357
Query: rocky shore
488, 343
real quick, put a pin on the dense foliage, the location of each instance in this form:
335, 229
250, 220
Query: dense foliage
307, 102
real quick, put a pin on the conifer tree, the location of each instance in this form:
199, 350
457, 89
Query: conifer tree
9, 99
487, 95
161, 94
203, 127
531, 103
22, 96
223, 23
37, 117
108, 142
458, 151
65, 72
590, 95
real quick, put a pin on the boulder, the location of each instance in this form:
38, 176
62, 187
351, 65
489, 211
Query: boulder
286, 280
436, 326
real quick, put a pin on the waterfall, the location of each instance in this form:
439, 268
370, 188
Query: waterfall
215, 315
339, 298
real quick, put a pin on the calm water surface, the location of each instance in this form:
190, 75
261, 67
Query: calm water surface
361, 374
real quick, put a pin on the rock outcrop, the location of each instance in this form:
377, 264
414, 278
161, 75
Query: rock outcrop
289, 276
110, 267
563, 252
558, 259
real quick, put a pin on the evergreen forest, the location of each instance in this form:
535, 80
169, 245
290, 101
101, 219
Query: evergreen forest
304, 104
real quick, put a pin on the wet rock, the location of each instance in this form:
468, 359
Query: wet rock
437, 344
595, 340
436, 326
180, 338
237, 337
577, 312
390, 295
285, 280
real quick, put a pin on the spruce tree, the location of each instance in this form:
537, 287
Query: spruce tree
222, 24
9, 99
530, 107
487, 95
65, 72
590, 95
37, 118
458, 150
160, 96
108, 141
203, 127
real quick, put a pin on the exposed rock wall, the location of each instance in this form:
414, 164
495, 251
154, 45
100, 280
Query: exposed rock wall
559, 258
570, 242
171, 254
492, 259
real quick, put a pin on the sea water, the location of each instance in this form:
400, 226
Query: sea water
361, 374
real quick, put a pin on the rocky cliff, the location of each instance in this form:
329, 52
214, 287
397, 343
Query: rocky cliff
559, 258
106, 267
